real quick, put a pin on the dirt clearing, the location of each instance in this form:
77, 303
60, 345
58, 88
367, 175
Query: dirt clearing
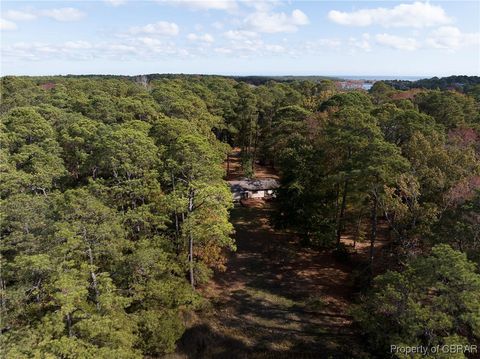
276, 298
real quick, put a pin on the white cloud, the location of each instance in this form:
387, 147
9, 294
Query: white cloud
201, 38
320, 45
299, 18
36, 51
120, 49
155, 45
19, 15
397, 42
247, 46
330, 42
451, 38
78, 45
144, 48
261, 5
239, 34
65, 14
276, 22
417, 15
223, 50
7, 25
116, 2
275, 48
362, 43
61, 14
159, 28
225, 5
217, 25
149, 41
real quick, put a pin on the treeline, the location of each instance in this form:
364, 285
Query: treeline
114, 206
468, 84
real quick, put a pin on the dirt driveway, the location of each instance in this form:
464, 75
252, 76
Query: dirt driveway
276, 299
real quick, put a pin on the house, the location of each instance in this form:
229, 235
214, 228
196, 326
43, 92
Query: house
253, 188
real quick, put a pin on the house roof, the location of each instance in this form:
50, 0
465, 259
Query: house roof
254, 184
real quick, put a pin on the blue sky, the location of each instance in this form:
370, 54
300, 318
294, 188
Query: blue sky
406, 38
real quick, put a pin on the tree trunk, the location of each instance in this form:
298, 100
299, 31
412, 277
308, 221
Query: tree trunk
357, 234
3, 299
191, 196
94, 278
177, 232
255, 145
69, 324
336, 214
177, 224
190, 259
373, 234
250, 135
342, 211
92, 272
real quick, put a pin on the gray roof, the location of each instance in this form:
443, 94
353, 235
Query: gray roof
254, 184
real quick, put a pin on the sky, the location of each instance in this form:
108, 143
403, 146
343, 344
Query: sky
235, 37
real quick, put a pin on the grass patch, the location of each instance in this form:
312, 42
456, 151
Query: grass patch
314, 304
271, 298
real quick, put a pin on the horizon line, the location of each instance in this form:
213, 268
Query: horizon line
342, 76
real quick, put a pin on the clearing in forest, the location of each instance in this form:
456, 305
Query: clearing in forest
276, 298
233, 168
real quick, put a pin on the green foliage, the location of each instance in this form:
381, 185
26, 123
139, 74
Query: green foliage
95, 192
449, 108
381, 92
357, 99
159, 330
33, 161
460, 224
433, 301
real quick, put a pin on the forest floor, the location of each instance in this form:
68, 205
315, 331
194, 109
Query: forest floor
233, 167
277, 298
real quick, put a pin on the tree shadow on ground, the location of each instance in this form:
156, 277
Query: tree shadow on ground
277, 299
202, 342
276, 261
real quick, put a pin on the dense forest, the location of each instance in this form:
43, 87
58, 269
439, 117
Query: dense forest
469, 84
115, 208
